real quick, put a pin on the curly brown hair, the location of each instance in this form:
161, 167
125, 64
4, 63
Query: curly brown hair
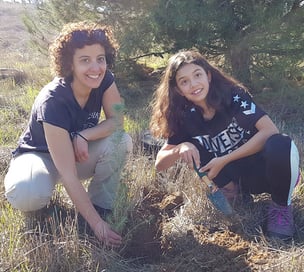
77, 35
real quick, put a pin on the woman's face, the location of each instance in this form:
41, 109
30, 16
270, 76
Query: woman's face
193, 82
89, 66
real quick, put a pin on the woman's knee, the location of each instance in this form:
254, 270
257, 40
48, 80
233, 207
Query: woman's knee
29, 182
128, 142
118, 144
27, 197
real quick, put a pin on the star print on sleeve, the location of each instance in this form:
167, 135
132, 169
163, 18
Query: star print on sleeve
244, 104
248, 107
236, 98
244, 109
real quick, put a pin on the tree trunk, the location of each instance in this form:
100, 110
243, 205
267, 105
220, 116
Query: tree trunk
240, 62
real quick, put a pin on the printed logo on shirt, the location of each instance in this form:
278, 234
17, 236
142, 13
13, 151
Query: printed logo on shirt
92, 120
225, 141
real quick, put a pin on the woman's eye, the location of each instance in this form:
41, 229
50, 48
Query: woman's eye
101, 59
85, 60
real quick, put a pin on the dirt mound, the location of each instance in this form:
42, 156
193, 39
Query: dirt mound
159, 240
145, 241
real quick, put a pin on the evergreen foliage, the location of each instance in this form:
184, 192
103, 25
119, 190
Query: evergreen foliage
257, 41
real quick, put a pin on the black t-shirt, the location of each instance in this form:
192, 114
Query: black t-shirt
56, 105
226, 131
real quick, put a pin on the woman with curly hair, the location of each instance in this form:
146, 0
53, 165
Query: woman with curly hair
211, 119
66, 139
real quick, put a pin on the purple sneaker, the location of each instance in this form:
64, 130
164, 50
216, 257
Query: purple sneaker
280, 221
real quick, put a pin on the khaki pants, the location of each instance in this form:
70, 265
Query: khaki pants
32, 176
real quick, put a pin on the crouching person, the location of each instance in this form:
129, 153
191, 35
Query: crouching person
211, 118
66, 140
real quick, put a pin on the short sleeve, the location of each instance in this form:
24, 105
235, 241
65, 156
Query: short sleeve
245, 110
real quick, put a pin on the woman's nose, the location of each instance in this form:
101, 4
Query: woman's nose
95, 65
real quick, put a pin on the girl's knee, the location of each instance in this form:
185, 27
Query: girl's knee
278, 143
277, 140
280, 150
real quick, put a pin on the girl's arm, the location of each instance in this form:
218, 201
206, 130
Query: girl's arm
265, 128
61, 150
169, 154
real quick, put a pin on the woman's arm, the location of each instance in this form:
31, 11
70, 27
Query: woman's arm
169, 154
113, 110
61, 150
265, 128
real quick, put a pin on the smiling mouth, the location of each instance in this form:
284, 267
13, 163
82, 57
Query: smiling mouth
197, 91
93, 76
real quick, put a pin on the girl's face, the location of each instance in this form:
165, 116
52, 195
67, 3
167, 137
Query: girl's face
193, 82
89, 66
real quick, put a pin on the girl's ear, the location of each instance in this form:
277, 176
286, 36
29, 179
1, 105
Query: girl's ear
209, 76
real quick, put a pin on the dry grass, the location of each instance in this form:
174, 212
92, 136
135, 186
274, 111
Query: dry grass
165, 218
186, 236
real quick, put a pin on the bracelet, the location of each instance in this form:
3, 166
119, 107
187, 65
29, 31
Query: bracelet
77, 133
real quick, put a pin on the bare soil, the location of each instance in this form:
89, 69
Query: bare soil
198, 247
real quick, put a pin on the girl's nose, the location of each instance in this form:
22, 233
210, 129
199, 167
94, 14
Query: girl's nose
192, 83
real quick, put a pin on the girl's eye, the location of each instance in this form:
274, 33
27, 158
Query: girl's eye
184, 82
198, 74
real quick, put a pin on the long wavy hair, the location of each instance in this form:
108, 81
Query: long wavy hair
168, 105
75, 36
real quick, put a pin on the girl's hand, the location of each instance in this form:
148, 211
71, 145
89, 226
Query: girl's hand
81, 149
214, 166
104, 234
188, 152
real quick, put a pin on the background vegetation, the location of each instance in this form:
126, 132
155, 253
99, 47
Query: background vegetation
259, 42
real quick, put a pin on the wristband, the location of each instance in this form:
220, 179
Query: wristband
77, 133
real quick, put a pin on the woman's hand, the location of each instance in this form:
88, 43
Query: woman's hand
104, 234
81, 148
188, 152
